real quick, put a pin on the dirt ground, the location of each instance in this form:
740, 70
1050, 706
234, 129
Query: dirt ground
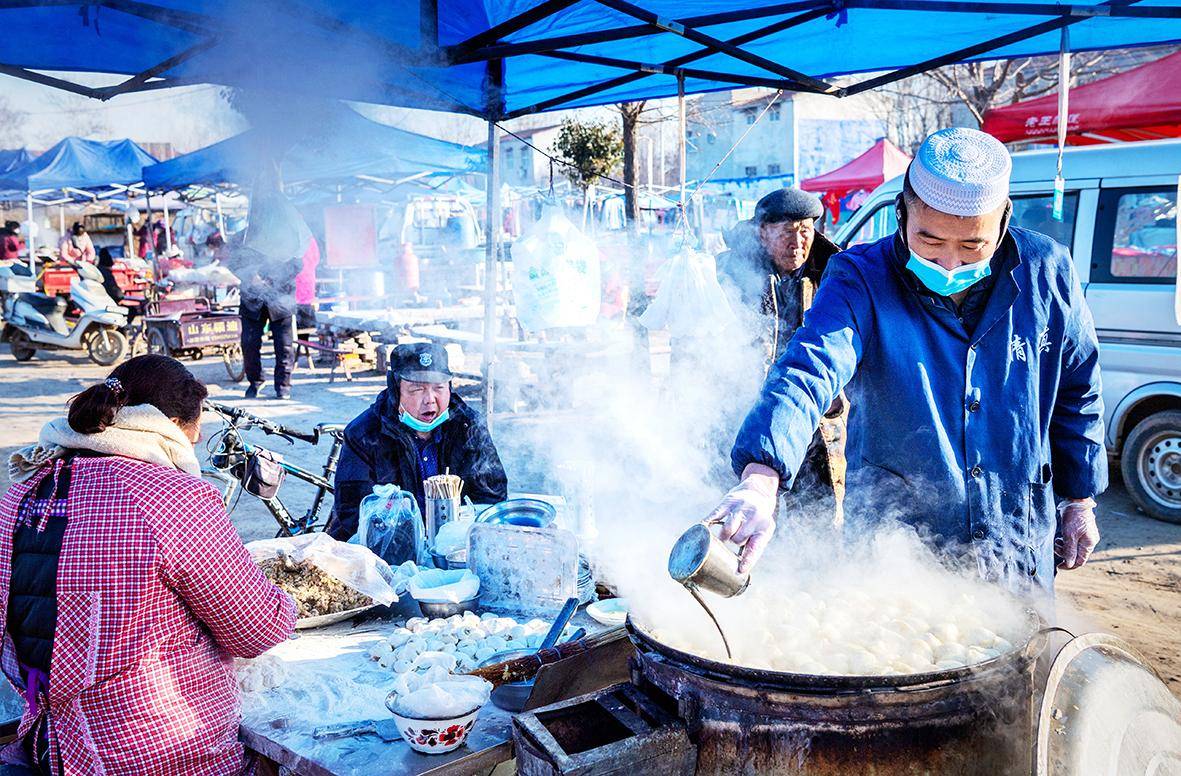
1131, 587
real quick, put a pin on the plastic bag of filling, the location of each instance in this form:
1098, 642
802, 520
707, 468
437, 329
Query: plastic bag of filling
555, 274
454, 697
349, 564
436, 586
390, 525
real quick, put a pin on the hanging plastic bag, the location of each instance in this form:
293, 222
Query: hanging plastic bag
556, 274
689, 301
349, 564
390, 525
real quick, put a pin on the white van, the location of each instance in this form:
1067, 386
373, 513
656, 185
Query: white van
1120, 222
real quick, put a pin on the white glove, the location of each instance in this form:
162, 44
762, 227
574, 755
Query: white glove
747, 514
1080, 533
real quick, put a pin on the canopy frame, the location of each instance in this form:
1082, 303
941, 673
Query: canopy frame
489, 45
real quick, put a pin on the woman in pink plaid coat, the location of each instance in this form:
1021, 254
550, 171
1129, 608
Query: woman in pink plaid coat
124, 589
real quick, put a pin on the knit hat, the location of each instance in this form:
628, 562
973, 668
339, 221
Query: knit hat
962, 172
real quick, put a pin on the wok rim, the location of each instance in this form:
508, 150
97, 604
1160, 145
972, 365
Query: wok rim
714, 669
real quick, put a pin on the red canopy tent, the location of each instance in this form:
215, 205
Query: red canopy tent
1143, 103
880, 163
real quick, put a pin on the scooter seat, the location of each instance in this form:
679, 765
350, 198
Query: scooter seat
45, 304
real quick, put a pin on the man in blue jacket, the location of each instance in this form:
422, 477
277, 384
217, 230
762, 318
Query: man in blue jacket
971, 364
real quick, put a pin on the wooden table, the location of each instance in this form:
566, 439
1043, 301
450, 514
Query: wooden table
282, 732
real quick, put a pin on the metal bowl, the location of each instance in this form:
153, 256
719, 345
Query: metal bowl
446, 609
510, 696
527, 512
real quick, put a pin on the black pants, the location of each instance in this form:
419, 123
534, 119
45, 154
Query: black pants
282, 334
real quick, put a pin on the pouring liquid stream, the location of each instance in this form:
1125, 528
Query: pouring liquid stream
701, 601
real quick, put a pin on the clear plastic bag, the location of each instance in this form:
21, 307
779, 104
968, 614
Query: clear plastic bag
556, 274
350, 564
390, 525
690, 301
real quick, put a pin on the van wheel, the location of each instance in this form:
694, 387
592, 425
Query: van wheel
1151, 465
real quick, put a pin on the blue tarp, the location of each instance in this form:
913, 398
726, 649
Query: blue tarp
11, 159
391, 53
341, 146
80, 164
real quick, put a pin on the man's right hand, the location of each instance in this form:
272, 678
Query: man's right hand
747, 513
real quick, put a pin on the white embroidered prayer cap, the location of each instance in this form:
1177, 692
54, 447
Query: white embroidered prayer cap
963, 172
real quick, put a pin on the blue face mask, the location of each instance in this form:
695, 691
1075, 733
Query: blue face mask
423, 426
947, 282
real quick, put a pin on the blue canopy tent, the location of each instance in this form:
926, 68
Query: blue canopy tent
80, 169
343, 148
508, 58
11, 159
76, 170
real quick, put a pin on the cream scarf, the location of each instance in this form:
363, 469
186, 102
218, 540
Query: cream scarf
141, 432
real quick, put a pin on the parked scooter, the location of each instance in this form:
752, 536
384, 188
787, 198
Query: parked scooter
35, 321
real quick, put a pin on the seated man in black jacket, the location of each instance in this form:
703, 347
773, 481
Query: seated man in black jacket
415, 429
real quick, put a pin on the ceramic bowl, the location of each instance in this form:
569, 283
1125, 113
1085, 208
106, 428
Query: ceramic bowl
436, 736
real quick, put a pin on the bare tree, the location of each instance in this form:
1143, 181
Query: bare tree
980, 86
80, 117
630, 114
12, 124
911, 109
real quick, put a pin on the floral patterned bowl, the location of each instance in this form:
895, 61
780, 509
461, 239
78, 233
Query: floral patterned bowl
436, 736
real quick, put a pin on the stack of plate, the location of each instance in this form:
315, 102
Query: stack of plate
586, 581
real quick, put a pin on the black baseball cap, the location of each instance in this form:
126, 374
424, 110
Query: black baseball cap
420, 362
788, 205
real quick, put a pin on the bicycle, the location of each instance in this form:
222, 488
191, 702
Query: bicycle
230, 454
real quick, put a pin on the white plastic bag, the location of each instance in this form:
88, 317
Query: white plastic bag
350, 564
556, 275
689, 302
436, 586
390, 525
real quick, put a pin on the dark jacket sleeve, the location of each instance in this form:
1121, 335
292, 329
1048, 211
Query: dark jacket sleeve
354, 481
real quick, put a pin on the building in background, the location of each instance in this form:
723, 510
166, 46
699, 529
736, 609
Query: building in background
522, 166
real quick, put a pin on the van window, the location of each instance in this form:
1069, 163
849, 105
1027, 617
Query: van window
881, 222
1036, 213
1136, 236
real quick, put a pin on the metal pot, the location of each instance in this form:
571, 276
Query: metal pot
971, 720
528, 512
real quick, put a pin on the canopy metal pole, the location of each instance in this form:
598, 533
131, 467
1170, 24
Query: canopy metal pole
490, 259
1063, 116
221, 221
152, 234
61, 219
167, 226
29, 235
681, 150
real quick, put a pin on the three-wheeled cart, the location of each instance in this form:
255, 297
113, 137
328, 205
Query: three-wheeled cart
192, 328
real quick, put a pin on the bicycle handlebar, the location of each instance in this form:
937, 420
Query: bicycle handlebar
265, 425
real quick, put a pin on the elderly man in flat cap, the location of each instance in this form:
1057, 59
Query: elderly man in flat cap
771, 273
971, 363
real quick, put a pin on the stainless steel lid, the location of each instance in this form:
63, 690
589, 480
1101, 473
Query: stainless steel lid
1106, 711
